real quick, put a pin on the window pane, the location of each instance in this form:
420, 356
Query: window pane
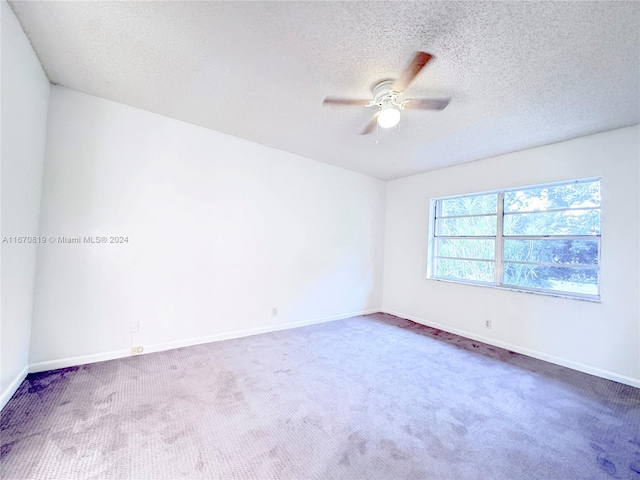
568, 222
563, 279
448, 247
569, 252
574, 195
466, 226
473, 205
465, 270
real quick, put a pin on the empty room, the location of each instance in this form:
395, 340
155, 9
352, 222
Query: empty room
320, 240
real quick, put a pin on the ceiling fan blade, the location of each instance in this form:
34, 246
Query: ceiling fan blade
419, 61
426, 103
370, 126
345, 101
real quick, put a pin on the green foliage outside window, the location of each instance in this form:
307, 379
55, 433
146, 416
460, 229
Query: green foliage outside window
544, 262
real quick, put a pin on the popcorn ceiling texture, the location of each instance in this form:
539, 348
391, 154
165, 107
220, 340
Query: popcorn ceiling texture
367, 398
521, 74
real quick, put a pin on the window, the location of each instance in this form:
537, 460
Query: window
543, 238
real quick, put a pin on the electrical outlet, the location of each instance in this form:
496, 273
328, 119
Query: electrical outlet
274, 311
134, 327
136, 350
487, 324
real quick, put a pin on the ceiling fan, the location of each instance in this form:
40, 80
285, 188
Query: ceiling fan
386, 97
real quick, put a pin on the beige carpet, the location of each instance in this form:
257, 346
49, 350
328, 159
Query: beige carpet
371, 397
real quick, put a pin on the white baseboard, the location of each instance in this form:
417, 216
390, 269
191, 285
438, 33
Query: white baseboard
250, 331
77, 360
598, 372
13, 386
159, 347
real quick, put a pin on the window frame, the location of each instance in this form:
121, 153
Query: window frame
500, 237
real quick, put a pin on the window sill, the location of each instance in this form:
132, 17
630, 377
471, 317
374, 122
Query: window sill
521, 290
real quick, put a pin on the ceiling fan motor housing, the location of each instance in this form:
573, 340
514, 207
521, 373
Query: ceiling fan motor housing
384, 96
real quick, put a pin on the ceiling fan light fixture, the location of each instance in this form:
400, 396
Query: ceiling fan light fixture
388, 117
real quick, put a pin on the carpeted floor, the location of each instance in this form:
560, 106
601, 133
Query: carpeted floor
373, 397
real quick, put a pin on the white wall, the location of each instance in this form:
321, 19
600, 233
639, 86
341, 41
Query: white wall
25, 96
600, 338
220, 231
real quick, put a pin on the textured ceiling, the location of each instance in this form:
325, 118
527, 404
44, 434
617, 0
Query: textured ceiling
521, 74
